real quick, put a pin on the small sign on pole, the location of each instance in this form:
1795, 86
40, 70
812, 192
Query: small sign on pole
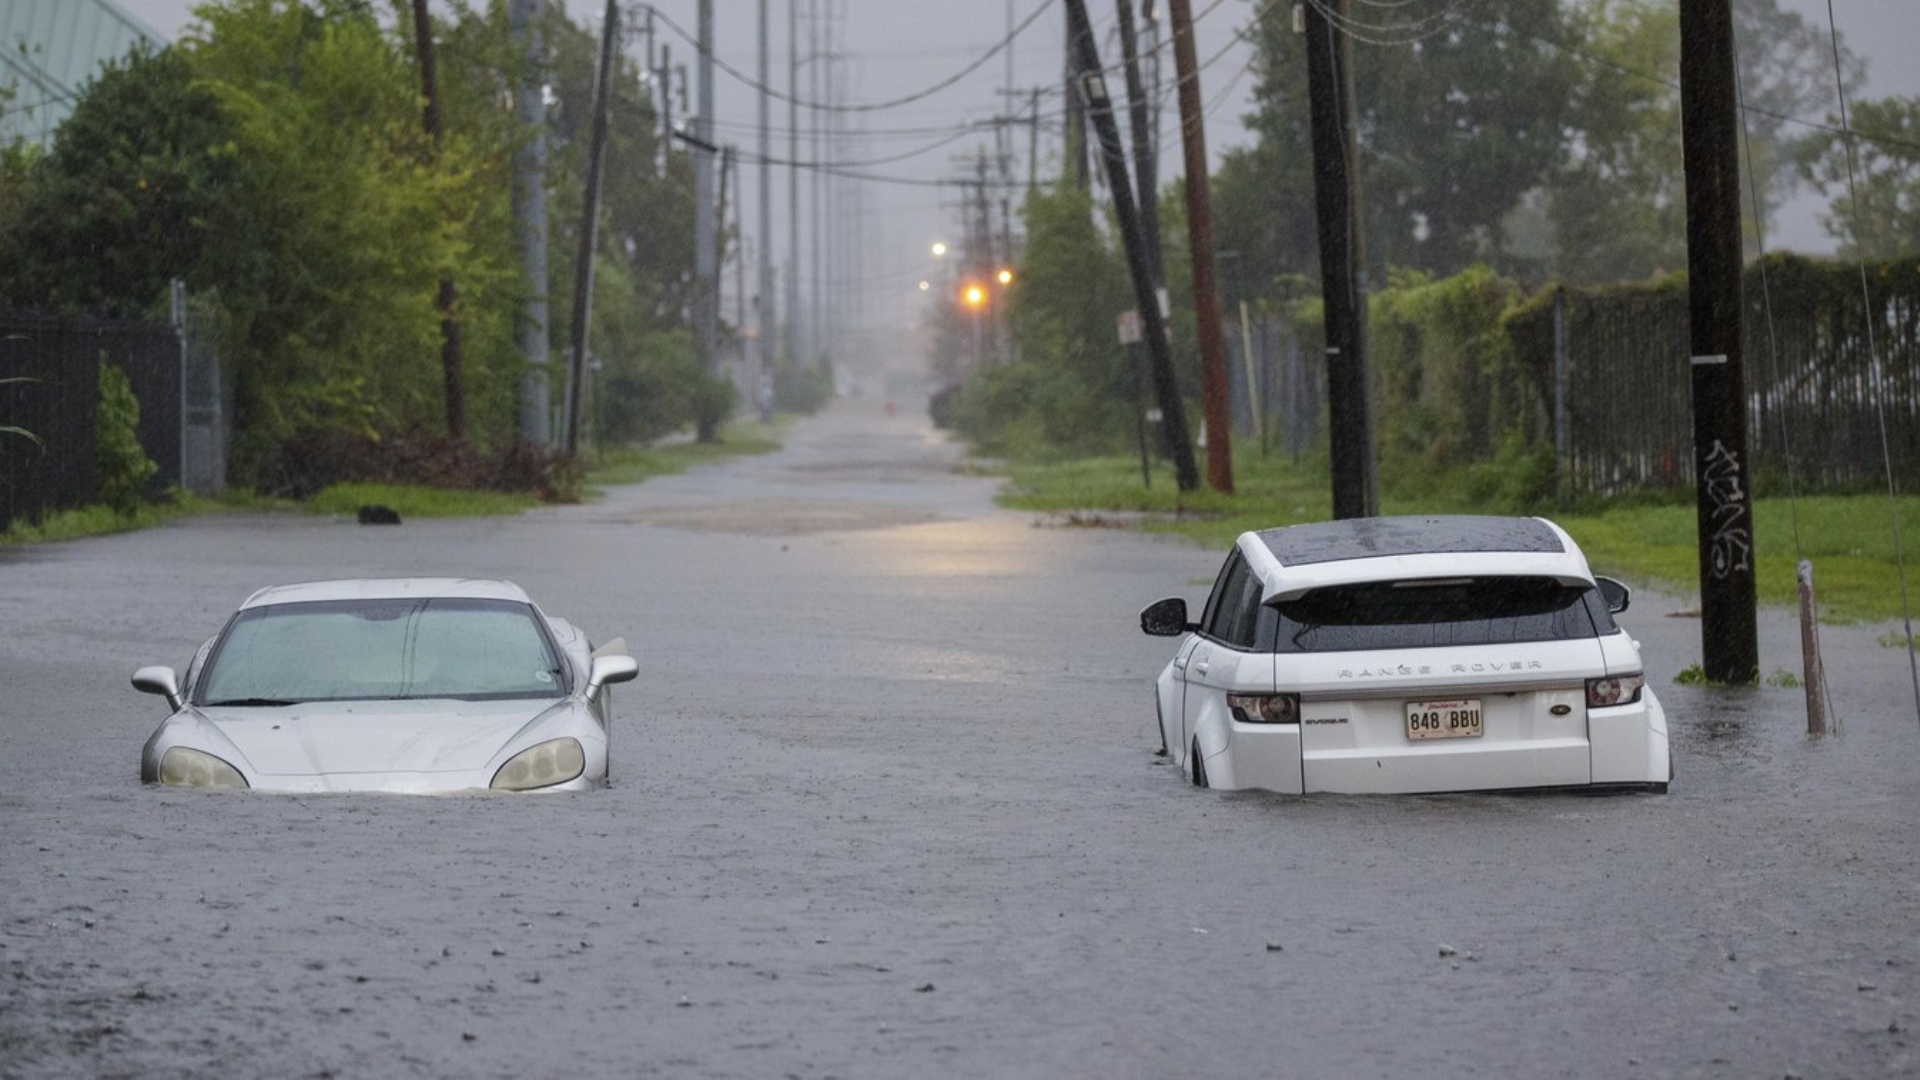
1129, 321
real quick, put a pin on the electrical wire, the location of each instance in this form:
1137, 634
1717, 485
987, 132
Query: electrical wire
1390, 34
1815, 662
1873, 352
858, 107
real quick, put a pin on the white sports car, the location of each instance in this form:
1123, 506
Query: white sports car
406, 685
1409, 654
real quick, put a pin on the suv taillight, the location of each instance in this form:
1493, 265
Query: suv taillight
1615, 690
1265, 708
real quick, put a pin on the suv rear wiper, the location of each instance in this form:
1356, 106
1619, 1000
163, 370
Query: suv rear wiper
250, 702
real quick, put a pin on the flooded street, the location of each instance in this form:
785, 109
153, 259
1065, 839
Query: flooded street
885, 804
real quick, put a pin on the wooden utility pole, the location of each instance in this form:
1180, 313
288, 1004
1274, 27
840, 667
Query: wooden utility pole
1146, 171
706, 251
589, 228
1073, 139
1093, 87
1342, 262
448, 299
1709, 133
1206, 287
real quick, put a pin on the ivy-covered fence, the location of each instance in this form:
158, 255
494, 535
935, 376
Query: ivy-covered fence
1612, 367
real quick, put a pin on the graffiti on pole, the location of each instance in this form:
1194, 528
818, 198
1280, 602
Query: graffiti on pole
1732, 544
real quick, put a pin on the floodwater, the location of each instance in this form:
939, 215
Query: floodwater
885, 804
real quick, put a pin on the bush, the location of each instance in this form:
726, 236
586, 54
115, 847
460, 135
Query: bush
317, 460
123, 467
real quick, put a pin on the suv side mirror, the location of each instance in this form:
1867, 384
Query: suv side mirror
1165, 618
1616, 594
159, 680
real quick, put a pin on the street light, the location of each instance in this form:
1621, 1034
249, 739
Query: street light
1006, 277
939, 248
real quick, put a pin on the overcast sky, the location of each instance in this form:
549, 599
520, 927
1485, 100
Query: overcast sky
891, 48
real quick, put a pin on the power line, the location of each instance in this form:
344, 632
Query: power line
873, 106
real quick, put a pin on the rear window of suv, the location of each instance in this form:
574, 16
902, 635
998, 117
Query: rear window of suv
1429, 614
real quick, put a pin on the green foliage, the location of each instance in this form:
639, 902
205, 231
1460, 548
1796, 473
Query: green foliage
1887, 179
1539, 137
1781, 679
122, 466
1070, 388
655, 390
1693, 675
1456, 129
275, 159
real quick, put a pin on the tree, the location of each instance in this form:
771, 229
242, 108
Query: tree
1455, 127
1617, 209
117, 208
1885, 175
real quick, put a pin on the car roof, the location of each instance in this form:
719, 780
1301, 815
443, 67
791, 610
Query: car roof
1296, 559
387, 589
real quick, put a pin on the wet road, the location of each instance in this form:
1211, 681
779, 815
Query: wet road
885, 805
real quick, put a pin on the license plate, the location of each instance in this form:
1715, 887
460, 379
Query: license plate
1443, 719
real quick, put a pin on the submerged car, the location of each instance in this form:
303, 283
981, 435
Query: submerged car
1409, 654
403, 685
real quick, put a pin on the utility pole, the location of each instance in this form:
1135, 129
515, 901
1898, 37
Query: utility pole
589, 229
706, 262
1073, 139
762, 368
1146, 170
793, 184
1342, 264
1709, 128
448, 300
1173, 414
1206, 287
530, 218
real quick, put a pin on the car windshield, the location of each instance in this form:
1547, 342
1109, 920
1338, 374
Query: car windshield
1424, 614
356, 650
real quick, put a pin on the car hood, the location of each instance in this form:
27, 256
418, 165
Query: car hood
439, 735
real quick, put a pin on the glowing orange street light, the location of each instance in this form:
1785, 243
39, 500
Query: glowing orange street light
974, 296
1006, 277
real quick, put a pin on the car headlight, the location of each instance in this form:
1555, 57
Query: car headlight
1265, 708
555, 761
1615, 690
184, 767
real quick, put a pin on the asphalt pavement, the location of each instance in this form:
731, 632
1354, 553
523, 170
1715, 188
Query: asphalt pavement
885, 804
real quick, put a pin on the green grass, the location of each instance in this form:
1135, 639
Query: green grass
87, 521
411, 501
1849, 538
633, 464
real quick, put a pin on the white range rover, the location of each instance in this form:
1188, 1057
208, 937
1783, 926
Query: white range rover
1409, 654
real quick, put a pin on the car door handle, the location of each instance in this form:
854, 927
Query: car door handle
1201, 667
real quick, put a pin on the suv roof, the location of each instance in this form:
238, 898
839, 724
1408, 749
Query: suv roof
1296, 559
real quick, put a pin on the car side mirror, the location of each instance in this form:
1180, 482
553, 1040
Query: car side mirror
1616, 594
1165, 618
162, 681
608, 670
